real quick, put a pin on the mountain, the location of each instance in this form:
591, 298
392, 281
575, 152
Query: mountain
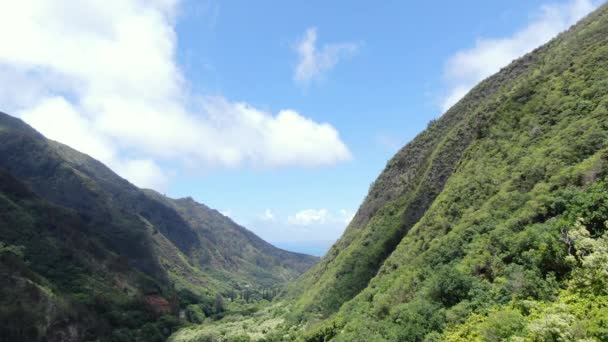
86, 254
490, 225
467, 234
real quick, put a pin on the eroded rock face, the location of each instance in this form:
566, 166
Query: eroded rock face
158, 304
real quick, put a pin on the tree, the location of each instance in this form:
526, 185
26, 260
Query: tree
591, 257
218, 304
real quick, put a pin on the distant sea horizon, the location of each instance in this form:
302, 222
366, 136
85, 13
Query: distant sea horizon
316, 248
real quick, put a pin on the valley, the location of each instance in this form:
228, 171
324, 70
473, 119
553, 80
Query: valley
490, 225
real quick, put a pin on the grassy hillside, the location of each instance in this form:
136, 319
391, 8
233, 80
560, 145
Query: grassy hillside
78, 236
489, 226
405, 190
471, 221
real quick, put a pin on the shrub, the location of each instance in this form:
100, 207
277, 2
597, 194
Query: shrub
502, 324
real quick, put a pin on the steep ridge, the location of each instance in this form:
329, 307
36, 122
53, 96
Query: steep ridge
71, 179
474, 207
174, 252
403, 192
219, 234
58, 282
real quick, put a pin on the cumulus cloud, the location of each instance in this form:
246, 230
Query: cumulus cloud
267, 215
69, 127
307, 225
287, 138
144, 172
102, 77
308, 217
314, 62
467, 67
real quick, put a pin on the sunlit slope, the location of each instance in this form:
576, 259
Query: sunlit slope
471, 214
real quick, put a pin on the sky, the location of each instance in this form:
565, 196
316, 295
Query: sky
278, 114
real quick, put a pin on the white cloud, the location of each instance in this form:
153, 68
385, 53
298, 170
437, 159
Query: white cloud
314, 62
308, 217
267, 215
101, 76
312, 225
287, 138
144, 173
467, 67
69, 127
62, 122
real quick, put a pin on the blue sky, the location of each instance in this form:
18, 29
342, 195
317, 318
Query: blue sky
279, 114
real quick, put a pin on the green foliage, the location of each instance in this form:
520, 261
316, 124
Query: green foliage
590, 257
415, 320
449, 286
195, 314
579, 312
323, 332
488, 226
218, 304
553, 327
502, 324
471, 233
17, 251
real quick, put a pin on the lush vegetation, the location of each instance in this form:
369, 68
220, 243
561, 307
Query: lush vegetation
489, 226
550, 283
60, 284
493, 238
85, 255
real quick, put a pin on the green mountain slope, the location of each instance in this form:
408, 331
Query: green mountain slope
228, 245
76, 235
472, 217
59, 282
